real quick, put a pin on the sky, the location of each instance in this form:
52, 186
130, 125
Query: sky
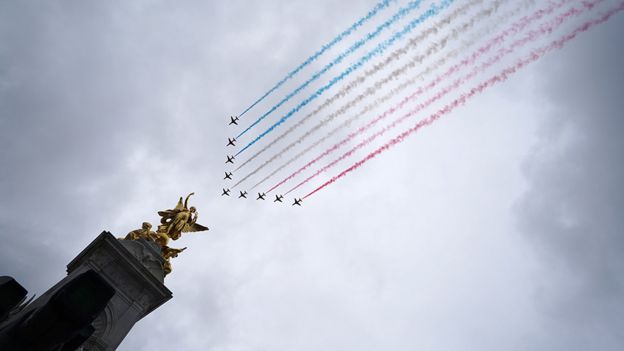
497, 227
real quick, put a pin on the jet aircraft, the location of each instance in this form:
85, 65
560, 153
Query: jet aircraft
243, 194
261, 196
297, 202
230, 159
233, 120
228, 175
278, 198
226, 192
231, 141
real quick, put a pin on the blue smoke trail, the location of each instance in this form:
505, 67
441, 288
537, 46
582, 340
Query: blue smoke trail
397, 16
434, 10
380, 6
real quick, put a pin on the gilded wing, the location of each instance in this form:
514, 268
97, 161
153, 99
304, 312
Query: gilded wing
167, 215
193, 227
180, 206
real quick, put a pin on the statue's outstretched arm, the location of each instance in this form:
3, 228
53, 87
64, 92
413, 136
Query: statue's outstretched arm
194, 218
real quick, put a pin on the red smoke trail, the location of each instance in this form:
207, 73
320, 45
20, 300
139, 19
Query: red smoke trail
515, 28
502, 76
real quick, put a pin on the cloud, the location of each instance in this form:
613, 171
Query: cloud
571, 213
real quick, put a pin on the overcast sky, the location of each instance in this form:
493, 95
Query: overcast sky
497, 228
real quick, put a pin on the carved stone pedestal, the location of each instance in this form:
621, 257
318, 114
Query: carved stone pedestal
134, 269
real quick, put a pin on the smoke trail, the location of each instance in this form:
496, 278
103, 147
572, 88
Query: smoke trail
531, 36
360, 79
513, 29
433, 10
412, 5
502, 76
432, 68
380, 6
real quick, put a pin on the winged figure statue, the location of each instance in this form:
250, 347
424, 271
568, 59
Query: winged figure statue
181, 219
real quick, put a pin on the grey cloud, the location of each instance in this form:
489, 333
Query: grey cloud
572, 213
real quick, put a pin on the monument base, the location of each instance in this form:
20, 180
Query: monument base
134, 268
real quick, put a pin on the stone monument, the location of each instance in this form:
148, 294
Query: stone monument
135, 267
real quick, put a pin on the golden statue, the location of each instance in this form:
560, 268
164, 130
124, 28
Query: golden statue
181, 219
173, 223
169, 253
160, 238
145, 232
